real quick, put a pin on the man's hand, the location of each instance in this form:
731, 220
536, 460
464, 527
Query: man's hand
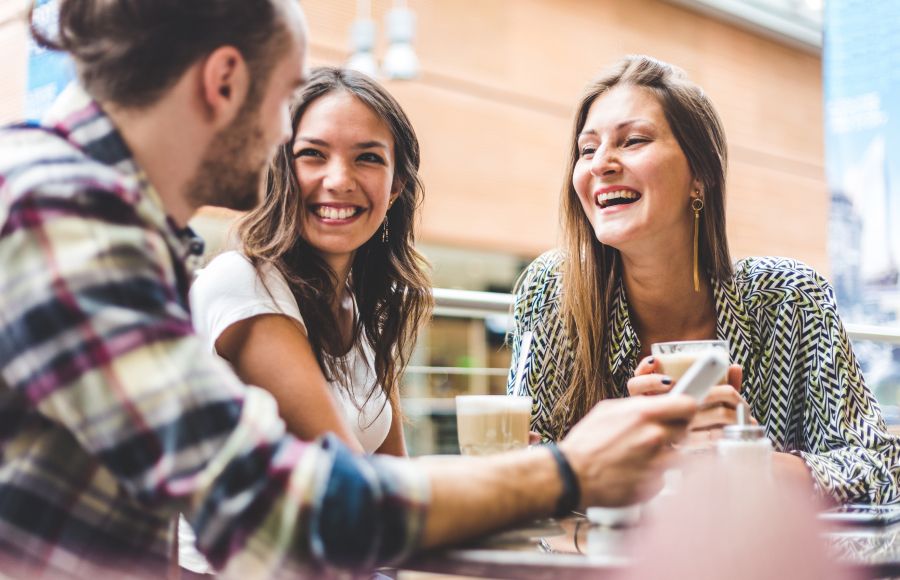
620, 449
618, 452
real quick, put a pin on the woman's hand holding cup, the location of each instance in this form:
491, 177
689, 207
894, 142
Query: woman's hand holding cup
717, 409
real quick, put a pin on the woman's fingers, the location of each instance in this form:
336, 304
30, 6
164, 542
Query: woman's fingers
721, 395
719, 408
735, 376
647, 365
653, 384
647, 381
714, 417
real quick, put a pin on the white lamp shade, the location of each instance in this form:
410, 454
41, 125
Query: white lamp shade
401, 61
363, 62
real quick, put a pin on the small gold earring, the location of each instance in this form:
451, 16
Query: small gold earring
697, 206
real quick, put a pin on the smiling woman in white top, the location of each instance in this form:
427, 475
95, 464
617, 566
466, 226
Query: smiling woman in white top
322, 302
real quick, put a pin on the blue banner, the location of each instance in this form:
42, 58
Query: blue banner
48, 72
862, 128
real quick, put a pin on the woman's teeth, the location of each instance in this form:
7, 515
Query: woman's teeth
335, 213
617, 198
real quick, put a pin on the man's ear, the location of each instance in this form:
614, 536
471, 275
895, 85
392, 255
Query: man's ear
226, 82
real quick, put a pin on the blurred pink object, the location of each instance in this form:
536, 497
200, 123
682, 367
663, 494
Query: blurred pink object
733, 523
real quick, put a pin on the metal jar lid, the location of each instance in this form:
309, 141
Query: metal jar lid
743, 433
743, 430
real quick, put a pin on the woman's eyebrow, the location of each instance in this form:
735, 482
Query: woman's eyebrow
371, 145
313, 140
619, 126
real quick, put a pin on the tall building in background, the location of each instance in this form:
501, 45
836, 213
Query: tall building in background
862, 123
48, 72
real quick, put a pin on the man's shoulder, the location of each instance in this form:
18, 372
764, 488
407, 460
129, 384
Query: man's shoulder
38, 160
24, 145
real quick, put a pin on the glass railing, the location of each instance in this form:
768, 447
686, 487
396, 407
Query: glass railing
474, 317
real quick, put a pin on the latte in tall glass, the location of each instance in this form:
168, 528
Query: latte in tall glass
492, 423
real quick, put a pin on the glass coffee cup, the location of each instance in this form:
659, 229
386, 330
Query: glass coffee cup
676, 357
492, 423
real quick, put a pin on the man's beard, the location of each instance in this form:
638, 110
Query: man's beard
231, 171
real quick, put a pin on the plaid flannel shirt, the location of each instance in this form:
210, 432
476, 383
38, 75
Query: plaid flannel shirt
113, 417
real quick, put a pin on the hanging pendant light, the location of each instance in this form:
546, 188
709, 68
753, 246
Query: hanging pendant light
400, 61
362, 41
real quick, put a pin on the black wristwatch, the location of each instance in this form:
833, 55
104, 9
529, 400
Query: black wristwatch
571, 492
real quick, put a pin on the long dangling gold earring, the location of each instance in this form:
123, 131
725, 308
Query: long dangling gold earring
384, 226
697, 205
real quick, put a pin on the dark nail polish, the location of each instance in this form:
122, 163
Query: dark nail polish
667, 381
651, 360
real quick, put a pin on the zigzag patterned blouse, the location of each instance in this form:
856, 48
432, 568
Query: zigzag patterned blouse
801, 378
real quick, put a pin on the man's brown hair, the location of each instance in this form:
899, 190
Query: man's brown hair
130, 52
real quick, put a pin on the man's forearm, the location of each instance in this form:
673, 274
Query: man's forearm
474, 495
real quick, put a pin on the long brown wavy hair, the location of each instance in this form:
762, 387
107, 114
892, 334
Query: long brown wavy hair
389, 280
592, 270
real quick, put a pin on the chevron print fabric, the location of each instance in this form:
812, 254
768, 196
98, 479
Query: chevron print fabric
801, 378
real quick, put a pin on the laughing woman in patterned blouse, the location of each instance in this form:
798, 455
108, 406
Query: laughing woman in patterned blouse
647, 187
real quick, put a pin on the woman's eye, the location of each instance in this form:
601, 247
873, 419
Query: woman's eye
371, 158
308, 152
634, 141
587, 150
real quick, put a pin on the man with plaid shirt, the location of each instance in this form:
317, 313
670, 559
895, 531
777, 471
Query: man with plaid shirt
113, 418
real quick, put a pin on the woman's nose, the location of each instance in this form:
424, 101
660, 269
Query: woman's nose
338, 176
605, 162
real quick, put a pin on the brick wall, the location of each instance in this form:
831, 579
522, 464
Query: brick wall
501, 77
493, 105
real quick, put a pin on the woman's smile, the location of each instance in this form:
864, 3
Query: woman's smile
336, 214
615, 197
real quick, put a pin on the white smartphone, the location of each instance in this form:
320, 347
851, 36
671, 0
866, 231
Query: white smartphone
703, 374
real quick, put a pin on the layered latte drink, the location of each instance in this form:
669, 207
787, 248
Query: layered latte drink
492, 423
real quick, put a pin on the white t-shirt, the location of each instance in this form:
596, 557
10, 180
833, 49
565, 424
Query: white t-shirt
230, 289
